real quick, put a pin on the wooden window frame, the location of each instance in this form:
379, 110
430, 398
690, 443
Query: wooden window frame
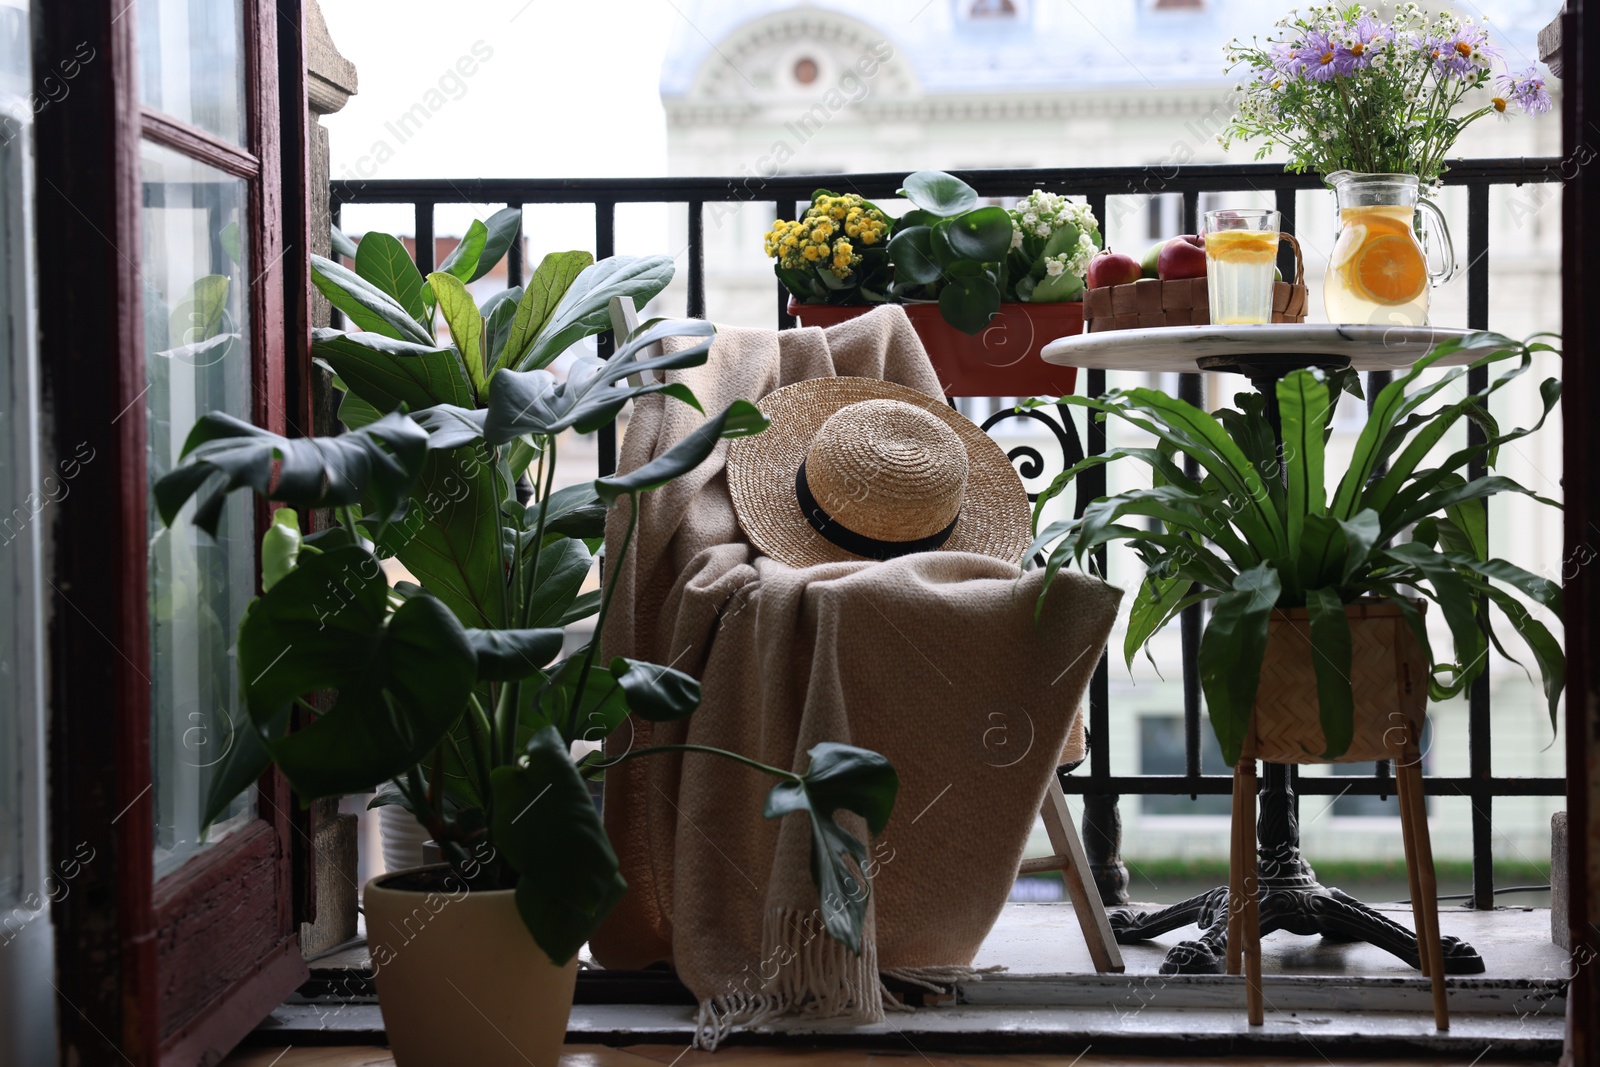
173, 971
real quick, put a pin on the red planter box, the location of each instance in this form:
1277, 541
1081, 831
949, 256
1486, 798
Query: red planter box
1003, 360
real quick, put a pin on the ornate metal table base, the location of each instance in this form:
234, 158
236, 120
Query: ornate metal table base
1313, 909
1291, 899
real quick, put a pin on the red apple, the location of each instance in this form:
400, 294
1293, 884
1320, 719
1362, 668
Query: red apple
1112, 268
1181, 257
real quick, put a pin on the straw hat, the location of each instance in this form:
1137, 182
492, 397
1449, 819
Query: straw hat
856, 468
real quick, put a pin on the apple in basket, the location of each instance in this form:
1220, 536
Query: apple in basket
1181, 257
1112, 268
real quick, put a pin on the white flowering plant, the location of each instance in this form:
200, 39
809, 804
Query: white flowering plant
1340, 88
1052, 242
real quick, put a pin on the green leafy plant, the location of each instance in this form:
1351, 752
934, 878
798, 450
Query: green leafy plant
951, 250
1257, 530
450, 692
836, 253
1051, 246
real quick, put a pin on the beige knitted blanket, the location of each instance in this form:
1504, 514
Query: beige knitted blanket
934, 660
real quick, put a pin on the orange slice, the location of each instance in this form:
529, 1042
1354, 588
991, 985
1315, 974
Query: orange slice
1241, 246
1388, 269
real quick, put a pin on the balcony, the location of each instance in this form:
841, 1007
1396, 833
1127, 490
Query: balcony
1150, 791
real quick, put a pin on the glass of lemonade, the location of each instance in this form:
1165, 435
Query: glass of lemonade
1241, 250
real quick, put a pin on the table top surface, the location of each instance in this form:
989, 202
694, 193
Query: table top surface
1182, 348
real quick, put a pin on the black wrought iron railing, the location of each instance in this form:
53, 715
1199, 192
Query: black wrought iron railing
1100, 788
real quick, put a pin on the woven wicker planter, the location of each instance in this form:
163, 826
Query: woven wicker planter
1003, 360
1388, 673
1185, 302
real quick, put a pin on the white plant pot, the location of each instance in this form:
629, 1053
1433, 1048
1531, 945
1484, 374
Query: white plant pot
402, 837
460, 979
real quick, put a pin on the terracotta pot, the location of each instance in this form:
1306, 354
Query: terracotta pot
1003, 360
460, 979
1388, 675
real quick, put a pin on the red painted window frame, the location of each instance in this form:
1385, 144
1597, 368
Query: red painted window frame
173, 971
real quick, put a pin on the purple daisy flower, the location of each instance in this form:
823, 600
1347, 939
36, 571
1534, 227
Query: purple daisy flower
1526, 90
1361, 39
1289, 58
1463, 53
1321, 57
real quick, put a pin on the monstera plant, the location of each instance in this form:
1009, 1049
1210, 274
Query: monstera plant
452, 687
1256, 529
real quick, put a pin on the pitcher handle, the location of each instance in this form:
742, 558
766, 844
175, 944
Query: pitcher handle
1448, 250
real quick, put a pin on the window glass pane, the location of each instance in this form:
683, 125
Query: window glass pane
191, 64
1161, 752
20, 500
197, 359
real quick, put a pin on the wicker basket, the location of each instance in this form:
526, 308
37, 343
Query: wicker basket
1185, 302
1388, 673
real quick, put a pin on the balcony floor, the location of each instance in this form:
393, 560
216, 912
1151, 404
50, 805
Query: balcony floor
1323, 1001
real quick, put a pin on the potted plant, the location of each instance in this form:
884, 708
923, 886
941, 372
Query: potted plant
985, 287
452, 688
1258, 537
1375, 106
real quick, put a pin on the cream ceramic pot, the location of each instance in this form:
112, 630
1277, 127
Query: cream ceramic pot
460, 979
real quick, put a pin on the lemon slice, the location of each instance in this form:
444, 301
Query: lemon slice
1351, 238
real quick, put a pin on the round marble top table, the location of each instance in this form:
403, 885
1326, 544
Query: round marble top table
1255, 350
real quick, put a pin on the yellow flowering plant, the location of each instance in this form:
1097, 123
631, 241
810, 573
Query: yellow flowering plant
836, 253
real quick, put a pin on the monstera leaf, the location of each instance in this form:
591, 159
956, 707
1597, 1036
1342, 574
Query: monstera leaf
852, 779
380, 461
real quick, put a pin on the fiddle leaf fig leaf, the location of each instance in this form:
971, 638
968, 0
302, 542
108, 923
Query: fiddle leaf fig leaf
466, 325
855, 780
585, 306
502, 228
368, 306
382, 260
550, 282
462, 261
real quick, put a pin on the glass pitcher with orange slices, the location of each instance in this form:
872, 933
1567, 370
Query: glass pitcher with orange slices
1379, 272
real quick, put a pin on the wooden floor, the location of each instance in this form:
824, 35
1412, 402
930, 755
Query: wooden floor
673, 1056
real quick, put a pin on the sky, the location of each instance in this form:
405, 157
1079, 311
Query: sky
568, 89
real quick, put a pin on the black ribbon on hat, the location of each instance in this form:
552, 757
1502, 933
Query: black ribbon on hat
861, 544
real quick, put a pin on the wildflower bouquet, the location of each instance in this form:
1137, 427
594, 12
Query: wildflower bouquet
836, 253
1052, 242
1342, 89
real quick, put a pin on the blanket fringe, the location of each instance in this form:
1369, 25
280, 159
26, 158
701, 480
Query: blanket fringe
939, 979
805, 974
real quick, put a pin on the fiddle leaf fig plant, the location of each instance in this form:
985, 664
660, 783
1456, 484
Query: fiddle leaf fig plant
450, 694
1261, 529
